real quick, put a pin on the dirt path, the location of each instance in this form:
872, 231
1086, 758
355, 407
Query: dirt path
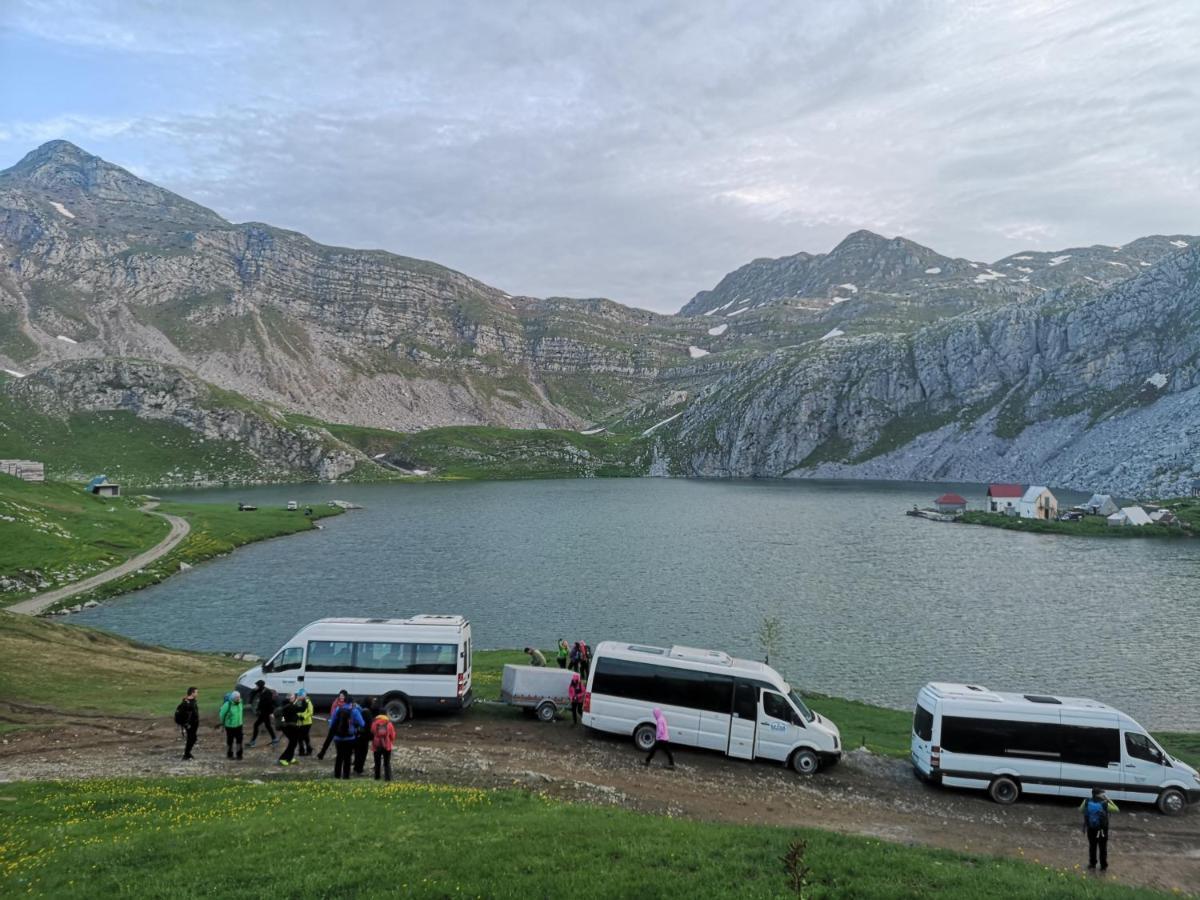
39, 603
865, 794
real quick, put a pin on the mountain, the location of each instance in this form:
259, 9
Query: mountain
96, 262
1076, 387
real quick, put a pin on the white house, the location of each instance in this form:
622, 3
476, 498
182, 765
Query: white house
1038, 503
1003, 498
1101, 505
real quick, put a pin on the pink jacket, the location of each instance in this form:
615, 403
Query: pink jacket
661, 732
576, 691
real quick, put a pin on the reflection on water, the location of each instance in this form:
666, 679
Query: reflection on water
874, 603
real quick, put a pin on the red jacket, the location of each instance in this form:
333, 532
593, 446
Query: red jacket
383, 733
576, 691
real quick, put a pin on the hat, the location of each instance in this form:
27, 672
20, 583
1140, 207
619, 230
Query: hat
302, 693
260, 683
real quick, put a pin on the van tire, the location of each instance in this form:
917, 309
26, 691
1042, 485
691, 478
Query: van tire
644, 737
805, 762
546, 711
1172, 802
396, 709
1004, 790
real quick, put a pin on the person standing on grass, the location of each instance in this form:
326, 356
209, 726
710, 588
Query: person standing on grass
383, 738
187, 717
575, 653
535, 656
291, 729
344, 725
585, 660
333, 708
263, 700
1095, 822
662, 738
231, 721
362, 741
575, 694
304, 722
564, 652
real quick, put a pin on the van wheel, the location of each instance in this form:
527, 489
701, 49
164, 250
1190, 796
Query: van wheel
805, 762
546, 711
644, 737
1171, 802
396, 709
1004, 791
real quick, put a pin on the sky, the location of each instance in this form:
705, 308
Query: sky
630, 150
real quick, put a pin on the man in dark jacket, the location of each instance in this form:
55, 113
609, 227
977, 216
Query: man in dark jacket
263, 699
362, 743
191, 721
345, 725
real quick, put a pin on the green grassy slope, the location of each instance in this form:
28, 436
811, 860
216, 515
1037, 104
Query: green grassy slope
229, 838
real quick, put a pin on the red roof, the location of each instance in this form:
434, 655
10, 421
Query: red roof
947, 499
1006, 490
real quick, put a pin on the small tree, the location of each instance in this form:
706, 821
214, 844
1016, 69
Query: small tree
770, 636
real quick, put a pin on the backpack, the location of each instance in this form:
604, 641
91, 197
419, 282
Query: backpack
182, 714
380, 729
345, 722
1096, 814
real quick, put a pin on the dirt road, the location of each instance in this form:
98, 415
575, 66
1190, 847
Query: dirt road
865, 794
39, 603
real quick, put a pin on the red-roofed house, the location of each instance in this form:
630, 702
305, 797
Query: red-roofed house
1004, 498
951, 503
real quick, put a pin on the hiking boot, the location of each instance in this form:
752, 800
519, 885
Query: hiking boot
252, 743
284, 762
239, 756
229, 755
274, 743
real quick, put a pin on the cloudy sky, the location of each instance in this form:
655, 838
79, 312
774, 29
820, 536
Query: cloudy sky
630, 150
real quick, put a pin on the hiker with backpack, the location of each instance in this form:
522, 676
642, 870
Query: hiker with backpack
187, 717
1095, 823
344, 725
304, 722
291, 729
231, 721
383, 739
362, 741
263, 700
333, 708
575, 694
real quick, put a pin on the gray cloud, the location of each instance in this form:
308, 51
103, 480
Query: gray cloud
640, 153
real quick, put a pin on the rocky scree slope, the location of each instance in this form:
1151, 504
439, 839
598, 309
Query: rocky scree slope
96, 262
1072, 388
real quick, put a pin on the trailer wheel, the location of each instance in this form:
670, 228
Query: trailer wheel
396, 709
805, 762
546, 711
1171, 802
1004, 791
644, 737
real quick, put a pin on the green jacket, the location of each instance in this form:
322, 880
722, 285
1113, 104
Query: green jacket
306, 711
231, 714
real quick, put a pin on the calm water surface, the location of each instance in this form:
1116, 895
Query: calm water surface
874, 603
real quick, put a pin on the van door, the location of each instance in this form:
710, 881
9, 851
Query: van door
777, 730
744, 722
1142, 768
1091, 753
285, 672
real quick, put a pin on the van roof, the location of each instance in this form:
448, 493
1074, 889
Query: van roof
423, 619
945, 690
687, 654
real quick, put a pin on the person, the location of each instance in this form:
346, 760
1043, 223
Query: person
383, 738
575, 653
362, 742
333, 708
585, 660
231, 721
564, 651
187, 717
291, 729
535, 656
662, 738
344, 725
1095, 822
575, 694
263, 700
304, 722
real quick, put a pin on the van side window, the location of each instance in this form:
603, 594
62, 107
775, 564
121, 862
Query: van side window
745, 701
1139, 747
923, 723
778, 708
286, 660
330, 656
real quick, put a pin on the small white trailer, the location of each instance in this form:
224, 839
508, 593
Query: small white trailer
538, 688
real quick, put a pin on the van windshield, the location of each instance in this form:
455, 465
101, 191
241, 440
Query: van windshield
807, 713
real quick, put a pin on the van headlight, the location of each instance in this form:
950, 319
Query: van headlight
1196, 777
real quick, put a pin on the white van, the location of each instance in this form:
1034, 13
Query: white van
710, 700
420, 663
967, 736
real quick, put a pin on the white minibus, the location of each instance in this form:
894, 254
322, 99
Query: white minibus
710, 700
967, 736
419, 663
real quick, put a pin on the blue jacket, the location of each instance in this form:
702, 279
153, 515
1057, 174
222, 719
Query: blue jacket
356, 722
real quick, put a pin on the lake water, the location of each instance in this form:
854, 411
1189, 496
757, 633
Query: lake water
874, 603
